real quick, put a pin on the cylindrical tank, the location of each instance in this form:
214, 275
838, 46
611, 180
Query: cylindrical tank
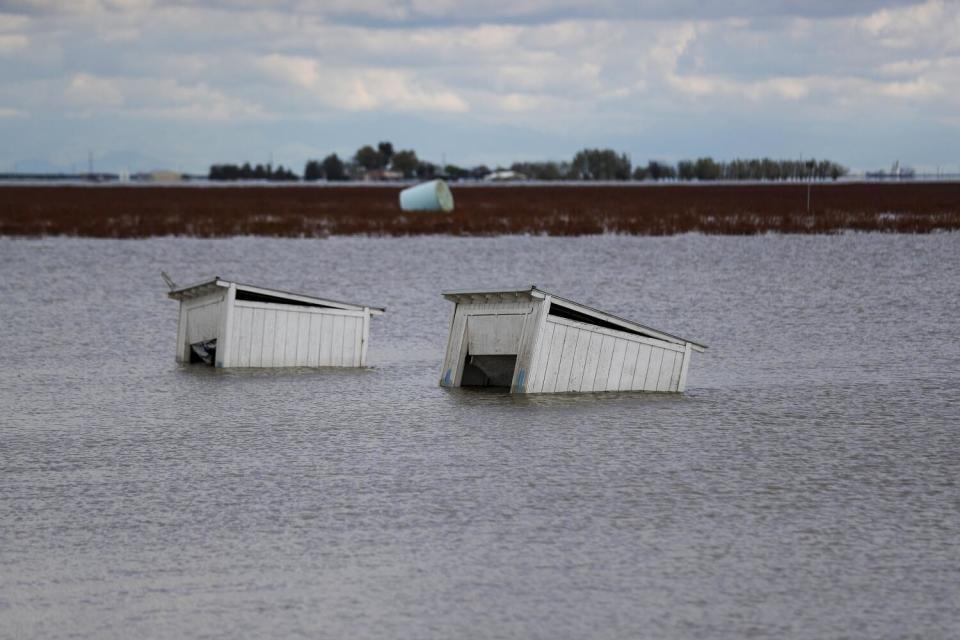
428, 196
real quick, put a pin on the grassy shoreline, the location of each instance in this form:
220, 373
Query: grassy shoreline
319, 211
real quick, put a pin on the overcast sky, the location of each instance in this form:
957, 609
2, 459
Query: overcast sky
182, 84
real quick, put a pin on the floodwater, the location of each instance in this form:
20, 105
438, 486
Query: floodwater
805, 486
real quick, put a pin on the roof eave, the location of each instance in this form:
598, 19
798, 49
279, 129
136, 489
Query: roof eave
532, 291
627, 324
184, 292
207, 286
455, 294
279, 293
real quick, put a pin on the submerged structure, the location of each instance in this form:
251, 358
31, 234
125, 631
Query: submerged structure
229, 324
533, 341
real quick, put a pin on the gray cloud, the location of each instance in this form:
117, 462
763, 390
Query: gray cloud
631, 72
381, 13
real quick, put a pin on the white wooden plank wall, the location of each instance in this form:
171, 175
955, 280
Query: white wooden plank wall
452, 371
533, 324
540, 361
575, 356
199, 320
295, 337
203, 321
494, 335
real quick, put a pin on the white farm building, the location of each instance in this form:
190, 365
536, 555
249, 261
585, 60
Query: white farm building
228, 324
535, 342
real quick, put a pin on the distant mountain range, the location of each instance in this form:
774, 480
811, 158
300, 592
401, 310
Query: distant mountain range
111, 162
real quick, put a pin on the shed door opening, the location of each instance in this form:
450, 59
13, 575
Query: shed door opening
205, 352
493, 341
488, 371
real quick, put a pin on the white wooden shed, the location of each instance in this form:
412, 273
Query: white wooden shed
533, 341
229, 324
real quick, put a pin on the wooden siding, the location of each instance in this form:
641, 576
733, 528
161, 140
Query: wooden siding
458, 340
533, 326
494, 335
203, 321
276, 335
199, 321
576, 356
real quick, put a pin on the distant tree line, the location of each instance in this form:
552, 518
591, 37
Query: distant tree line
247, 172
606, 164
383, 162
380, 162
759, 169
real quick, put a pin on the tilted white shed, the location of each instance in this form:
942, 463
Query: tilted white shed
229, 324
536, 342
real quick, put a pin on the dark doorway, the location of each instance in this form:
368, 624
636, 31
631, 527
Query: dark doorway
488, 371
205, 352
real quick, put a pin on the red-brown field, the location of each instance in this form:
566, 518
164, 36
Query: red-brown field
140, 211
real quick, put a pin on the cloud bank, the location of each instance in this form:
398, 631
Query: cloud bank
198, 82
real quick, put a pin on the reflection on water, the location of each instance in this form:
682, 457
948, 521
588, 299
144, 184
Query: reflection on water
804, 486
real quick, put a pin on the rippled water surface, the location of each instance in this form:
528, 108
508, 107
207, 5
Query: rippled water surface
805, 486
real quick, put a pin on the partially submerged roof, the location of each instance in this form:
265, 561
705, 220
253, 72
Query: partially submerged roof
262, 294
569, 309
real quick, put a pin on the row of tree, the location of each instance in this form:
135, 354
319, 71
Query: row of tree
376, 161
248, 172
606, 164
759, 169
383, 162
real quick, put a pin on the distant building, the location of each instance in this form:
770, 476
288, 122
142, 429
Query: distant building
382, 175
163, 175
896, 172
504, 175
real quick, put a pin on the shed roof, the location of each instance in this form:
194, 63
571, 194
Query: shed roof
211, 284
576, 310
